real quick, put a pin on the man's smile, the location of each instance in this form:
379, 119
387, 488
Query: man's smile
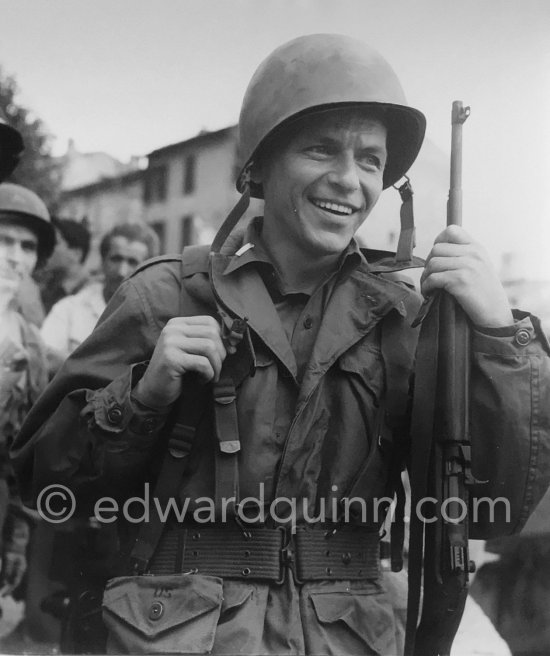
337, 208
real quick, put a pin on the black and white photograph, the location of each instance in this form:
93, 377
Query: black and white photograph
274, 327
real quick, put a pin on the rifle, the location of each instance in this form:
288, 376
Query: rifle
440, 455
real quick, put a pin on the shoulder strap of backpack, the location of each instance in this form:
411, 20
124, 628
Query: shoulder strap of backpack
187, 414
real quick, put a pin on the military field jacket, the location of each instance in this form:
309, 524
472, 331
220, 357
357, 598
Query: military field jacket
304, 442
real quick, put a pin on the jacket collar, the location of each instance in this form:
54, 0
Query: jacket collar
359, 300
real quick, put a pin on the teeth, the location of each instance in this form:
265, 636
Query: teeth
333, 207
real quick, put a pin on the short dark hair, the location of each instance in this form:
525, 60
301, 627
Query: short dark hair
76, 234
132, 232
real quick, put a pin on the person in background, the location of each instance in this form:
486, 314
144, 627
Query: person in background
64, 273
26, 237
73, 318
11, 147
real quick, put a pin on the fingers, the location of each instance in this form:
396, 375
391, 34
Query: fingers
201, 354
198, 337
455, 253
460, 266
454, 235
186, 344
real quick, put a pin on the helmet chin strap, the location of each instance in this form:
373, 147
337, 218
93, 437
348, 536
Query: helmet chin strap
232, 218
406, 242
233, 329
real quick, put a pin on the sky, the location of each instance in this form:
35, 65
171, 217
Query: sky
129, 76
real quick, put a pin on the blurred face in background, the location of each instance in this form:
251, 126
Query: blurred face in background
18, 254
121, 260
64, 257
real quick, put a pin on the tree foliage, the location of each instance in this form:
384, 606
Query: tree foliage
38, 169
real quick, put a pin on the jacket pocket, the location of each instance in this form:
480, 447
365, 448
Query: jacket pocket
364, 361
352, 622
162, 614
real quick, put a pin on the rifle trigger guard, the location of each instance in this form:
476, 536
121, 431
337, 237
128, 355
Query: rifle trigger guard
462, 455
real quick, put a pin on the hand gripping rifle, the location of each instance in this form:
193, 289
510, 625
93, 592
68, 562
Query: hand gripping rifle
440, 456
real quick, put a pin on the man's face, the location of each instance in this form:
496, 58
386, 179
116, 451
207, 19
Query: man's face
64, 257
122, 259
322, 183
18, 253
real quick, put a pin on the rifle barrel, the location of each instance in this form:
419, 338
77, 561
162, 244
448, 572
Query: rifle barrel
454, 204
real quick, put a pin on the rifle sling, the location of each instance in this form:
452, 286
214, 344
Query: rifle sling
422, 437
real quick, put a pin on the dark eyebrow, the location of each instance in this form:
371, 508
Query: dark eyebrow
375, 148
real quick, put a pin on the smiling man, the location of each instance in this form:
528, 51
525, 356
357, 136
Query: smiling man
253, 382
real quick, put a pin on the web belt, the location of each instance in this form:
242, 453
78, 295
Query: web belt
266, 554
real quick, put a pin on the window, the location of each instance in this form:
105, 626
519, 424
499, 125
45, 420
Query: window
155, 184
189, 166
188, 230
160, 228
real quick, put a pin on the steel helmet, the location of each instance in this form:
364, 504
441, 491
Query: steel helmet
318, 72
24, 205
11, 147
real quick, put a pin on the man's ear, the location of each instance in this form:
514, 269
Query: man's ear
256, 173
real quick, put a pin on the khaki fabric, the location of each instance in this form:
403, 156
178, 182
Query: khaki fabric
197, 614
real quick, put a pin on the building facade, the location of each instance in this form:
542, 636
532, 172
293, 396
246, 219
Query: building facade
189, 187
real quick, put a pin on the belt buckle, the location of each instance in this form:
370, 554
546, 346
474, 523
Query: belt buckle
287, 557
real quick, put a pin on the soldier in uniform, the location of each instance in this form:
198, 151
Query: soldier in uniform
248, 383
26, 235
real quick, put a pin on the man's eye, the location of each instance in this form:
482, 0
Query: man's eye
368, 159
318, 149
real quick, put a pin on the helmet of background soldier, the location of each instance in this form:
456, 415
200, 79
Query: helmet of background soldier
11, 147
320, 72
23, 205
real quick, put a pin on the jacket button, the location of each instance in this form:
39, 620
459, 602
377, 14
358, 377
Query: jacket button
308, 322
149, 425
522, 337
156, 611
114, 415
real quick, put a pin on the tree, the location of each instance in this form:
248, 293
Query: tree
38, 169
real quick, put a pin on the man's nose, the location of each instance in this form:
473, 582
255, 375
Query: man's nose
15, 253
345, 173
125, 269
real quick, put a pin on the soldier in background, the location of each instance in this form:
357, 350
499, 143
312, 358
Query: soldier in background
26, 236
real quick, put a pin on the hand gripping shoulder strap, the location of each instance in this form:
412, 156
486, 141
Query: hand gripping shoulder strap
182, 425
188, 412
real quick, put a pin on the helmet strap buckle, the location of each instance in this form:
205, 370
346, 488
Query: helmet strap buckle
407, 240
